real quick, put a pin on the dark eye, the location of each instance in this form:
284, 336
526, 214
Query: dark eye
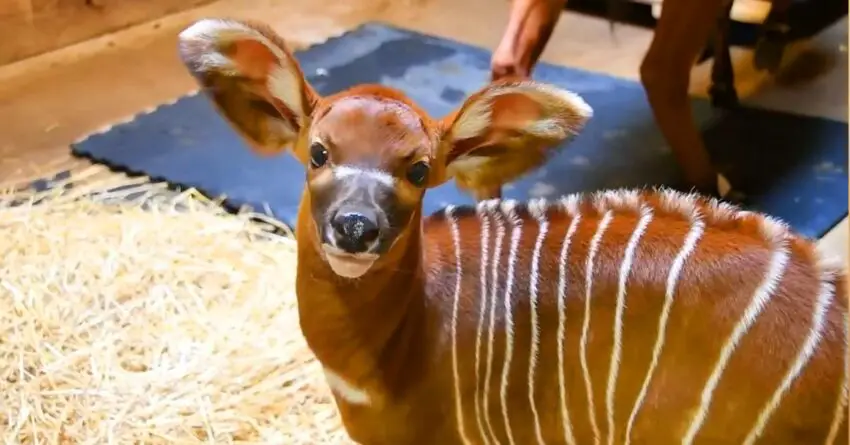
417, 173
318, 155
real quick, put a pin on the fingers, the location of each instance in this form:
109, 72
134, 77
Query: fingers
528, 30
507, 71
507, 61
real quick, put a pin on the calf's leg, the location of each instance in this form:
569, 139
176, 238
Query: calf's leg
722, 89
773, 37
680, 34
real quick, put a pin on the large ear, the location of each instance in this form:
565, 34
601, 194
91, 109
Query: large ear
252, 78
506, 130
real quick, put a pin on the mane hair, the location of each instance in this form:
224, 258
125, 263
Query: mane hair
663, 203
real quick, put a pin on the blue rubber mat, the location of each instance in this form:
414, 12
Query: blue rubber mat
794, 167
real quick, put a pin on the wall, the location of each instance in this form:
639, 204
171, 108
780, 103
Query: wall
32, 27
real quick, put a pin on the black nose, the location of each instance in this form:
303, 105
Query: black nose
355, 231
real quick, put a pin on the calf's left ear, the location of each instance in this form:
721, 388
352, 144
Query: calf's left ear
505, 131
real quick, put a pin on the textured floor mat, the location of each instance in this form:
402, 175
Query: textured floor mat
792, 166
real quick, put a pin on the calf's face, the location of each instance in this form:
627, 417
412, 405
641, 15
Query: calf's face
369, 152
369, 163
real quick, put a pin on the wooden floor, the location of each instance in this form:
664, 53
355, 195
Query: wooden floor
49, 101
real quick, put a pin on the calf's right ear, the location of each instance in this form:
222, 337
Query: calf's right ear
253, 79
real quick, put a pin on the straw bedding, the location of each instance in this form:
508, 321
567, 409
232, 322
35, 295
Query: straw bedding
157, 319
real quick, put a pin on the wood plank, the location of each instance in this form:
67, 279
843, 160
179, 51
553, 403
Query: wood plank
32, 27
21, 8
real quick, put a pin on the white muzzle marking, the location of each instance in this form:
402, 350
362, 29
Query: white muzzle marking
348, 265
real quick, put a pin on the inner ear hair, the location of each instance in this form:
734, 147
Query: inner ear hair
252, 77
250, 55
506, 130
561, 113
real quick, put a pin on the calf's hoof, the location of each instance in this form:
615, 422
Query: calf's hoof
728, 194
770, 48
722, 191
723, 95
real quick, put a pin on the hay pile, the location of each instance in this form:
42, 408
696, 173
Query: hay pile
169, 322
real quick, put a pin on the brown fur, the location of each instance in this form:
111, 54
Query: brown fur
397, 334
392, 339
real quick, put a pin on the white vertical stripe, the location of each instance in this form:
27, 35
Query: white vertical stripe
616, 349
841, 404
535, 323
485, 240
827, 289
456, 300
494, 286
509, 323
569, 438
591, 256
762, 295
691, 239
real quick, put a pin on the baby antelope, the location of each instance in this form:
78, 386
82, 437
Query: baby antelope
619, 317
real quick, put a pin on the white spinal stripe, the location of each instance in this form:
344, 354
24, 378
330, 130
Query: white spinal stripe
494, 286
616, 200
690, 243
569, 438
485, 240
676, 202
831, 267
509, 209
591, 256
827, 290
449, 211
538, 211
616, 350
776, 268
